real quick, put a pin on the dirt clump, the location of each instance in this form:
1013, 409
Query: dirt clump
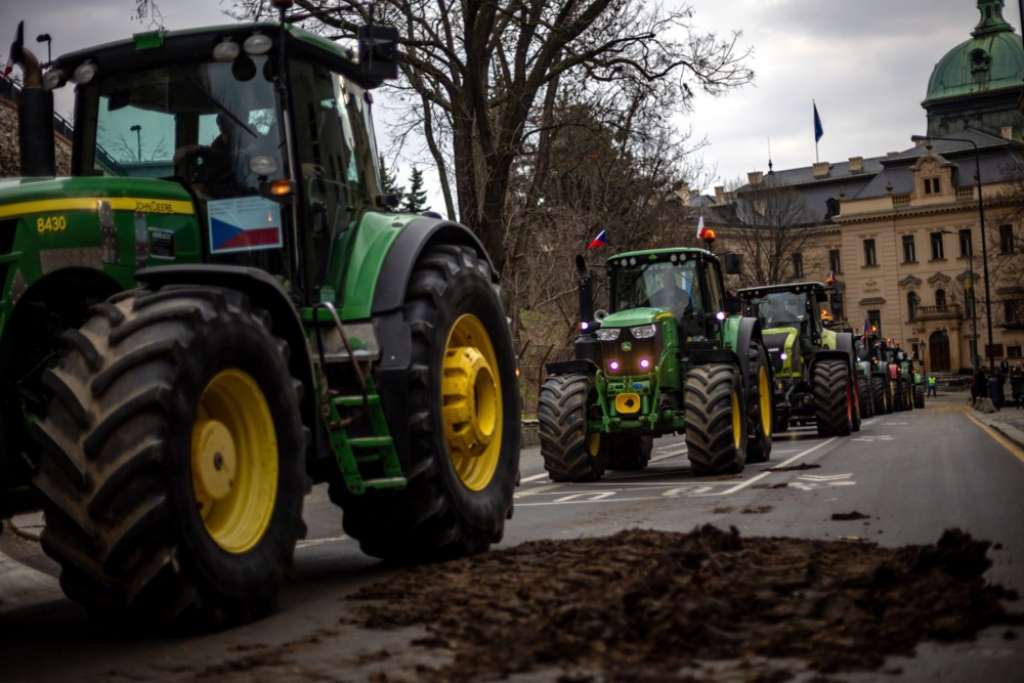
645, 605
849, 516
794, 468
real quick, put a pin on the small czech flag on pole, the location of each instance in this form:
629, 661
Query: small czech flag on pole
600, 241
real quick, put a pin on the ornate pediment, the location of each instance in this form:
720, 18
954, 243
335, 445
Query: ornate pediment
911, 281
873, 301
871, 286
939, 279
964, 276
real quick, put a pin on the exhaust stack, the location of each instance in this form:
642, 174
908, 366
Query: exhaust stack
35, 112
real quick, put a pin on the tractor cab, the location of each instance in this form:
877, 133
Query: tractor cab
792, 316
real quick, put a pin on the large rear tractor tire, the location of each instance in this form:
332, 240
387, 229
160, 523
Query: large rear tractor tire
627, 452
173, 460
462, 462
716, 437
569, 452
878, 394
833, 398
761, 408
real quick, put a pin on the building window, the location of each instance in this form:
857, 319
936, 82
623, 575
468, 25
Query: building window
915, 351
932, 186
940, 299
912, 302
937, 253
994, 351
1006, 239
1013, 312
909, 251
834, 264
870, 259
875, 320
966, 247
798, 265
1013, 352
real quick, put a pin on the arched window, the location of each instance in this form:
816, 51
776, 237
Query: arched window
912, 302
940, 299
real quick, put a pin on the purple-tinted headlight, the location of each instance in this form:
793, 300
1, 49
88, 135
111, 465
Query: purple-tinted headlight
644, 363
613, 366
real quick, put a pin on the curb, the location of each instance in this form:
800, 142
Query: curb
1012, 433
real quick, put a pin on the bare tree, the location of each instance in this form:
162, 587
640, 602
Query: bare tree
772, 227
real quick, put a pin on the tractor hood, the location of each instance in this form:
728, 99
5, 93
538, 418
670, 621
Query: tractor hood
633, 317
23, 196
781, 340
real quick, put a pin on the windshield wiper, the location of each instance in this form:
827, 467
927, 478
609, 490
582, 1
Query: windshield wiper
215, 102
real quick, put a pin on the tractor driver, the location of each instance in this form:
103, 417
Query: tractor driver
211, 168
670, 296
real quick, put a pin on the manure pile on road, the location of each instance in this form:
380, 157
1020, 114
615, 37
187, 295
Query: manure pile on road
646, 604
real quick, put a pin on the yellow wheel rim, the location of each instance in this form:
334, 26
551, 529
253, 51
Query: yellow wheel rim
594, 444
737, 420
472, 406
764, 389
234, 461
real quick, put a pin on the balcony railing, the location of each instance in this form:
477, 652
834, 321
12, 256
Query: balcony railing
964, 194
901, 200
947, 312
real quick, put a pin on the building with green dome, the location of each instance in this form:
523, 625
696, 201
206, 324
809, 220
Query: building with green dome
980, 82
901, 231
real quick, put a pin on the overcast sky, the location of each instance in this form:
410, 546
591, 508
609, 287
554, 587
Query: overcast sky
866, 62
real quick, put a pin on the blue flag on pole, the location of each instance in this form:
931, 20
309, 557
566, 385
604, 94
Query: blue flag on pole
819, 130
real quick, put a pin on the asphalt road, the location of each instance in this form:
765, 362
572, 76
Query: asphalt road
914, 474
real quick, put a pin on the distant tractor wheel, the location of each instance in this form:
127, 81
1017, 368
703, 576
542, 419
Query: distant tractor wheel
627, 452
761, 410
899, 397
716, 434
462, 459
173, 459
919, 397
865, 399
890, 399
878, 394
568, 451
833, 398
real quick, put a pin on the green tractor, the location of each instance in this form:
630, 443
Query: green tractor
815, 373
863, 367
218, 309
903, 378
666, 359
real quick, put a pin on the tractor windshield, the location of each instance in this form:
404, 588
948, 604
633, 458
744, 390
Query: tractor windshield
780, 309
213, 126
673, 286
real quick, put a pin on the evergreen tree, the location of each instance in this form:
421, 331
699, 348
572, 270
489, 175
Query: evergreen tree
388, 182
416, 197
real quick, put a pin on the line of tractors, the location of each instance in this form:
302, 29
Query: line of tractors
675, 353
220, 308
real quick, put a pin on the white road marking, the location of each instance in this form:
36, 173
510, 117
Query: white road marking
320, 541
673, 448
744, 484
533, 477
535, 491
869, 439
588, 497
825, 477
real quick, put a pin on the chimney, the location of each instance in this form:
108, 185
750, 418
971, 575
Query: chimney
821, 169
1007, 132
755, 177
720, 194
683, 192
892, 154
856, 164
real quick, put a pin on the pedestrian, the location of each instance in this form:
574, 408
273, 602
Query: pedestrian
978, 388
933, 385
1017, 387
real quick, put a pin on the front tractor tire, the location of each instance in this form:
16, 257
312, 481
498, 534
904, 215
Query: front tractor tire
716, 420
878, 392
864, 397
172, 460
919, 397
833, 398
570, 454
463, 421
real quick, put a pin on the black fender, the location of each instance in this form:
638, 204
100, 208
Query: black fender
572, 367
705, 356
844, 343
750, 331
830, 354
267, 293
419, 234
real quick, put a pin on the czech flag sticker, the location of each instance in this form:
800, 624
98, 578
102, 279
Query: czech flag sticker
244, 224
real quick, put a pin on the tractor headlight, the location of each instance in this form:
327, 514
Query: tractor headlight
84, 72
53, 79
783, 355
608, 334
643, 331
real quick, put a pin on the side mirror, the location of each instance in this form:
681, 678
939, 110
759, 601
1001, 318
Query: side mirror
378, 51
391, 200
733, 264
733, 304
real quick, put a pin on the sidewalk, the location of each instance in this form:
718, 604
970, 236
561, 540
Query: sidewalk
1009, 422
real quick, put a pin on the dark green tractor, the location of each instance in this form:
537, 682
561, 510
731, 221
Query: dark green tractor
665, 358
902, 377
218, 309
815, 373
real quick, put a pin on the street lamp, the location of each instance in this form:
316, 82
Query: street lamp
984, 240
137, 129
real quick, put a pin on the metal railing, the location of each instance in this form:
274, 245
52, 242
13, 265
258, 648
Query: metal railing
947, 312
9, 90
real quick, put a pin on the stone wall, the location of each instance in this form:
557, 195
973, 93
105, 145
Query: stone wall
9, 157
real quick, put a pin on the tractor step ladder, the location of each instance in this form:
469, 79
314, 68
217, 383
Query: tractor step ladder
353, 452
